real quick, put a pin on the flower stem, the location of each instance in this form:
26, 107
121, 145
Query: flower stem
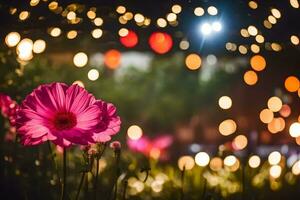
54, 163
80, 185
182, 181
117, 156
98, 157
124, 190
64, 185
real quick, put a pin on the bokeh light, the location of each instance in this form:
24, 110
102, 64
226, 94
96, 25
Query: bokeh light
227, 127
225, 102
39, 46
130, 39
97, 33
216, 164
24, 49
240, 142
212, 10
258, 63
292, 84
134, 132
275, 171
202, 159
12, 39
80, 59
193, 61
274, 104
160, 42
112, 59
199, 11
254, 161
274, 158
250, 77
266, 116
186, 163
295, 129
93, 74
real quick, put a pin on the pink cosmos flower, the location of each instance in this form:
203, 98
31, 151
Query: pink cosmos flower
8, 108
65, 115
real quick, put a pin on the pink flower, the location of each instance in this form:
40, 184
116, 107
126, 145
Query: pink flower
8, 108
65, 115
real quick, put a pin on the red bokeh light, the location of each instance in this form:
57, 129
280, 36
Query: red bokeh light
129, 40
160, 42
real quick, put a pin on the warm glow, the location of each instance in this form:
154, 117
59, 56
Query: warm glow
276, 125
97, 33
184, 45
296, 168
160, 42
212, 10
225, 102
259, 38
274, 104
240, 142
12, 39
276, 13
112, 59
91, 14
229, 161
123, 32
79, 83
80, 59
71, 15
23, 15
139, 18
171, 17
39, 46
252, 30
266, 116
258, 63
294, 40
250, 77
72, 34
216, 164
55, 32
254, 161
93, 74
186, 163
193, 61
227, 127
176, 9
295, 129
275, 171
274, 158
199, 11
292, 84
294, 3
161, 22
253, 4
121, 9
202, 159
24, 49
134, 132
98, 21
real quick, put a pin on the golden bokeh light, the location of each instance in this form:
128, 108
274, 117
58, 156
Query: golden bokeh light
272, 19
252, 30
24, 49
255, 48
199, 11
176, 9
93, 74
171, 17
294, 3
55, 32
71, 15
258, 63
134, 132
12, 39
72, 34
240, 142
295, 129
225, 102
186, 163
34, 2
121, 9
266, 116
193, 61
161, 22
276, 47
139, 18
24, 15
276, 125
184, 45
39, 46
227, 127
230, 160
267, 24
212, 10
285, 110
79, 83
253, 5
276, 13
98, 21
292, 84
259, 38
53, 5
91, 14
128, 16
97, 33
254, 161
274, 104
250, 77
216, 164
294, 40
245, 33
80, 59
275, 171
202, 159
274, 158
123, 32
243, 49
296, 168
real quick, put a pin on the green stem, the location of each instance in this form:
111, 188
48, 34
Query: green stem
97, 171
124, 190
117, 155
64, 185
54, 163
182, 181
80, 185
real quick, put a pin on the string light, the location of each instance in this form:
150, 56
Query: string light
12, 39
80, 59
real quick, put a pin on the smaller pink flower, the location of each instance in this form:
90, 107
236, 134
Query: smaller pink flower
115, 145
8, 108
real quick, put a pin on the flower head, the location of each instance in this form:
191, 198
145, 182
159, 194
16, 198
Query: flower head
115, 145
65, 115
8, 108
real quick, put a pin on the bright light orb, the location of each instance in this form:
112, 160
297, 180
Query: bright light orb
227, 127
12, 39
217, 26
295, 129
240, 142
274, 158
112, 58
186, 163
193, 61
229, 161
254, 161
39, 46
97, 33
275, 171
292, 84
266, 116
93, 74
202, 159
258, 63
274, 104
160, 42
225, 102
134, 132
24, 49
206, 29
296, 168
130, 39
80, 59
212, 10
